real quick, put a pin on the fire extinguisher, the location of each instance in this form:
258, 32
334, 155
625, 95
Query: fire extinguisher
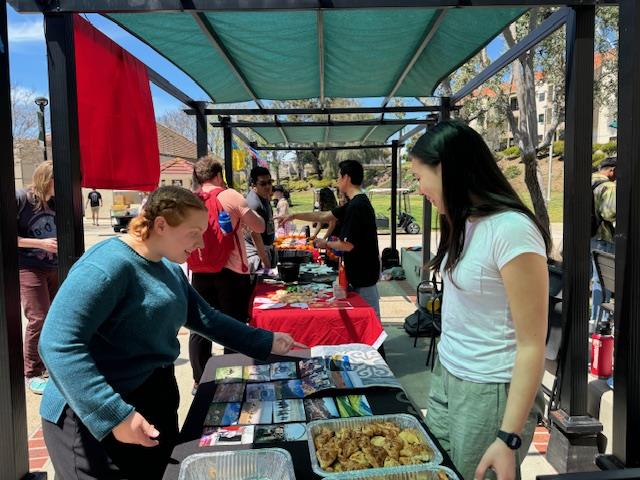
602, 352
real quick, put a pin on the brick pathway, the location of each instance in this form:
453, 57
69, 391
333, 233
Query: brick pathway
38, 454
541, 439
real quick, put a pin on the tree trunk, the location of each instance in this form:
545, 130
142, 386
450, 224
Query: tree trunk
532, 180
315, 160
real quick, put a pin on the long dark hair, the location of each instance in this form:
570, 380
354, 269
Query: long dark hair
327, 199
472, 185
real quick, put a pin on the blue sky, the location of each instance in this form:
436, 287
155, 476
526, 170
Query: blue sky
28, 58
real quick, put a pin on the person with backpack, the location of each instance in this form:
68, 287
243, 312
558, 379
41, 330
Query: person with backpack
110, 344
603, 220
38, 266
220, 271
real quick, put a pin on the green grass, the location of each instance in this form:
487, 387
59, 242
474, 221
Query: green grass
303, 202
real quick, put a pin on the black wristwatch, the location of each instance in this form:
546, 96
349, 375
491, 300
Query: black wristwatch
512, 440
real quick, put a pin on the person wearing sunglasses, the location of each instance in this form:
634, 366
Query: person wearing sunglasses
260, 250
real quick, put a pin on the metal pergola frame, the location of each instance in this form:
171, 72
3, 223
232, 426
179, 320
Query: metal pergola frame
572, 419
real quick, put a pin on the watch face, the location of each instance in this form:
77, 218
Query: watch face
512, 440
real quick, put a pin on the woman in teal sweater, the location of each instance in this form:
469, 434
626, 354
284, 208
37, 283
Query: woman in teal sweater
110, 342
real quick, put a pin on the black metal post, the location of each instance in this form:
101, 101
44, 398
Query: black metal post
201, 130
626, 395
573, 434
14, 461
42, 103
228, 150
65, 139
393, 221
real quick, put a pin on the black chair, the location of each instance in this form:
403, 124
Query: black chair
554, 341
431, 291
606, 270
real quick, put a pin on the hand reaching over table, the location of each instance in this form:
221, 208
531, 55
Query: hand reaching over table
283, 343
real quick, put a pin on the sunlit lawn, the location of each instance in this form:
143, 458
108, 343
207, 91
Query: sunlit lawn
303, 202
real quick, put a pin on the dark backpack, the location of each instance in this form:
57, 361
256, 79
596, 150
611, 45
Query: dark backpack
218, 245
596, 219
390, 258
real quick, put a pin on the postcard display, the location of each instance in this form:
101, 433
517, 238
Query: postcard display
272, 402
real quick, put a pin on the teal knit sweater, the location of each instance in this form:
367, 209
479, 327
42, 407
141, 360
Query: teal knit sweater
113, 322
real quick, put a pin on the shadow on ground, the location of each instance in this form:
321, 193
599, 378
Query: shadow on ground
408, 363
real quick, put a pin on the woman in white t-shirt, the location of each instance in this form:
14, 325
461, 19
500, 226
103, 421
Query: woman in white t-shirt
484, 397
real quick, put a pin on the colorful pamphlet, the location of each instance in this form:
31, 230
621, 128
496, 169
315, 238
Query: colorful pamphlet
261, 392
289, 389
283, 371
225, 436
222, 414
256, 413
288, 411
280, 432
228, 374
320, 408
229, 392
353, 406
256, 373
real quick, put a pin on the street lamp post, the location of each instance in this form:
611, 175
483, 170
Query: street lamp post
42, 102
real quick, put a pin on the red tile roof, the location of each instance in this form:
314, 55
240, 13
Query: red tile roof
177, 166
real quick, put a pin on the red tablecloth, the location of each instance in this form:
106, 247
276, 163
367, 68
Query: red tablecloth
322, 326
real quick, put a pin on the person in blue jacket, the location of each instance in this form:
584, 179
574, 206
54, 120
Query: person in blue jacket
110, 342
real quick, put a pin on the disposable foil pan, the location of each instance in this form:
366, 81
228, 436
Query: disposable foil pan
258, 464
401, 420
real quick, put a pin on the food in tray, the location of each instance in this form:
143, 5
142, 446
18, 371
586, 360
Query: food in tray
372, 445
293, 242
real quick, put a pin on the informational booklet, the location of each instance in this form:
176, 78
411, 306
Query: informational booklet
344, 367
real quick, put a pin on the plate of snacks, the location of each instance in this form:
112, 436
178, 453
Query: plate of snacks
381, 444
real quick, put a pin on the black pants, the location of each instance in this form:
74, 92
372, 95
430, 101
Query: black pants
77, 455
227, 291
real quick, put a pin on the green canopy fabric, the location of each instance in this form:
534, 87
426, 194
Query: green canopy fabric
365, 52
333, 135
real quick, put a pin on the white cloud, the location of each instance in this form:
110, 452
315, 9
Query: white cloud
23, 32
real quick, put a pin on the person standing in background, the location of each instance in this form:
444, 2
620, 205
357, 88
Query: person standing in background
603, 186
38, 266
260, 250
230, 289
95, 200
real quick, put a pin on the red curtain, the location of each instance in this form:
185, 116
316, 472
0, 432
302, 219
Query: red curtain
118, 137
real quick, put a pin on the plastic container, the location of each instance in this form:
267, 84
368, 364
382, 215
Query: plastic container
339, 292
259, 464
289, 271
224, 220
402, 420
420, 472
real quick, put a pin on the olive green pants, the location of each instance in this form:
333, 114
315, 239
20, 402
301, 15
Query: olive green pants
466, 416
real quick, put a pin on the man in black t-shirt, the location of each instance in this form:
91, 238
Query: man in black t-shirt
358, 233
95, 199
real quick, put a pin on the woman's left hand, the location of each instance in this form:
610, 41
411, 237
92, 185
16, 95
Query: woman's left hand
283, 343
501, 459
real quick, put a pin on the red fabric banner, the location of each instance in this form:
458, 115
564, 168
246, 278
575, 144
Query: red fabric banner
117, 127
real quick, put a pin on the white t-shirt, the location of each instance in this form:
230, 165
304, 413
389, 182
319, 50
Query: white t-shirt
478, 342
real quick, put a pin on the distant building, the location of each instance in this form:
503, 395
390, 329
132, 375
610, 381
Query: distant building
177, 155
